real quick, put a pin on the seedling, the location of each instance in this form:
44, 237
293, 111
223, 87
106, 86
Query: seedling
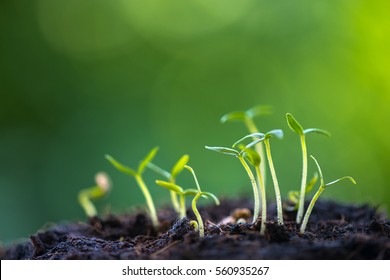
198, 225
137, 174
318, 193
198, 195
247, 117
261, 137
177, 168
85, 197
293, 196
254, 158
296, 127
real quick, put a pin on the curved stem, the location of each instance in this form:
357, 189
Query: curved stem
310, 208
197, 215
256, 208
258, 147
149, 200
303, 182
275, 180
263, 201
87, 204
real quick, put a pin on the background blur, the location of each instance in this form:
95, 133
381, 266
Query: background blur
79, 79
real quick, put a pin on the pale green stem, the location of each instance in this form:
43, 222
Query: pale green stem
87, 205
258, 147
197, 215
175, 201
310, 208
256, 208
303, 182
263, 201
149, 200
275, 180
182, 207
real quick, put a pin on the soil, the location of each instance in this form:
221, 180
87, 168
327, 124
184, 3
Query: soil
335, 231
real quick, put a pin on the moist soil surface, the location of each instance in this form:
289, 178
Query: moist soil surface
335, 231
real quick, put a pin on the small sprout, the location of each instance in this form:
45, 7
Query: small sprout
318, 193
102, 187
196, 198
247, 117
293, 196
278, 133
296, 127
237, 154
137, 174
177, 168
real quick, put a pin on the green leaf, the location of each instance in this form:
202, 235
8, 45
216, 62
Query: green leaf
146, 160
170, 186
294, 124
319, 171
233, 116
223, 150
159, 170
190, 192
179, 166
253, 135
278, 133
252, 156
316, 130
120, 166
259, 110
208, 194
293, 196
340, 179
311, 183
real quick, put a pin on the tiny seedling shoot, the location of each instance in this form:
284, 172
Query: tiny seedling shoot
318, 193
254, 158
177, 168
278, 133
198, 195
247, 117
137, 174
102, 187
296, 127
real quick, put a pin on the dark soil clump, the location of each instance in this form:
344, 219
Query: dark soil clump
335, 231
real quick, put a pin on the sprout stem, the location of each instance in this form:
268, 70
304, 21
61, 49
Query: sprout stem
263, 201
149, 200
259, 147
86, 203
303, 182
197, 215
310, 208
182, 207
255, 189
275, 180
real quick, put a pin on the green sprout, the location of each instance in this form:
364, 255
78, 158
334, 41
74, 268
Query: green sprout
254, 159
177, 168
293, 196
318, 193
247, 117
198, 225
296, 127
102, 187
278, 133
137, 174
198, 195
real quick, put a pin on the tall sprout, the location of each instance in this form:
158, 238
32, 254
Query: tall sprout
297, 128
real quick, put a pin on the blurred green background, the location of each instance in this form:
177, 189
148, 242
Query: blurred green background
79, 79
